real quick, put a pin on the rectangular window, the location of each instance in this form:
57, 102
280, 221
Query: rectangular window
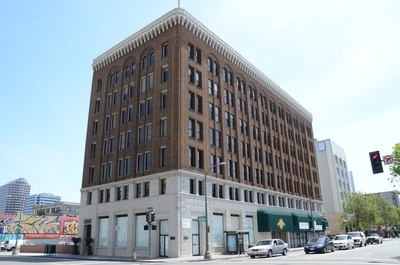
141, 235
218, 225
191, 128
164, 74
95, 127
118, 195
142, 108
127, 166
122, 142
103, 231
163, 156
128, 139
97, 106
143, 83
192, 186
197, 79
121, 230
125, 195
149, 106
163, 186
121, 167
138, 190
165, 50
149, 132
89, 198
146, 189
164, 100
91, 174
163, 127
132, 90
148, 161
141, 135
150, 81
139, 163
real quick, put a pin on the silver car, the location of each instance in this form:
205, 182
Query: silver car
343, 242
359, 238
268, 247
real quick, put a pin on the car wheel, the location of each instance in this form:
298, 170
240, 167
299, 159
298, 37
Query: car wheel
252, 256
307, 252
284, 253
269, 253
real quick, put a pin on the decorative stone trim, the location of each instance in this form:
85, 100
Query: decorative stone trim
179, 16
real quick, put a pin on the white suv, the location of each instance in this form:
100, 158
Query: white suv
359, 238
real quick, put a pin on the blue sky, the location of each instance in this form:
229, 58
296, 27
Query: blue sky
339, 59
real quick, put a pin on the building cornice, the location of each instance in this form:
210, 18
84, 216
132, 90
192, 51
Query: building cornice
179, 16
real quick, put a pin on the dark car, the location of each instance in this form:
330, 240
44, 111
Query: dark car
374, 238
320, 244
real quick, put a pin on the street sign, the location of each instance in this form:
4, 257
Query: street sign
387, 160
201, 218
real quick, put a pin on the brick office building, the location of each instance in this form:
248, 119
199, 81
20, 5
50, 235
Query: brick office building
168, 105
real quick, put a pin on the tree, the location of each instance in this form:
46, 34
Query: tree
362, 212
359, 212
395, 167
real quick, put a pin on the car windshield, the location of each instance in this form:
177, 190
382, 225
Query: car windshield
264, 242
340, 237
317, 240
354, 234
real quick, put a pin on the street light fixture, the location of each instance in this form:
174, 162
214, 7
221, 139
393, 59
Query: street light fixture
207, 254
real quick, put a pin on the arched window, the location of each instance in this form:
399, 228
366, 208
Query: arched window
126, 72
144, 62
116, 77
133, 68
151, 58
110, 80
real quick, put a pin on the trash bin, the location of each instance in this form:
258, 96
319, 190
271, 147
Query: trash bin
49, 249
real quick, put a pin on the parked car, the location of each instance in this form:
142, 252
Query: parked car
343, 242
374, 238
359, 238
9, 245
268, 247
320, 244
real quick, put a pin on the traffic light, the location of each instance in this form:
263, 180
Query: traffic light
376, 162
148, 217
153, 217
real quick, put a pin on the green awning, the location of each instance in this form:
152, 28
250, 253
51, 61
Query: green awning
319, 222
301, 221
274, 219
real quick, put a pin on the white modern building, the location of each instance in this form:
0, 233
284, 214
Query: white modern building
39, 199
336, 180
13, 195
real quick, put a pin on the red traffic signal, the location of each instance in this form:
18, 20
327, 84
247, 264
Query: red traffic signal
376, 162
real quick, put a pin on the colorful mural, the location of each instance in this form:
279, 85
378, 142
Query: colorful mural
39, 227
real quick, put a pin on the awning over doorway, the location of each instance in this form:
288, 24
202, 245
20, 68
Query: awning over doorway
273, 219
301, 221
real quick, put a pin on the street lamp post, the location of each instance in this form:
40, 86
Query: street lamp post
207, 254
312, 219
18, 230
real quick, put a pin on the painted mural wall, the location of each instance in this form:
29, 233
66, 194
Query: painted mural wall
61, 227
